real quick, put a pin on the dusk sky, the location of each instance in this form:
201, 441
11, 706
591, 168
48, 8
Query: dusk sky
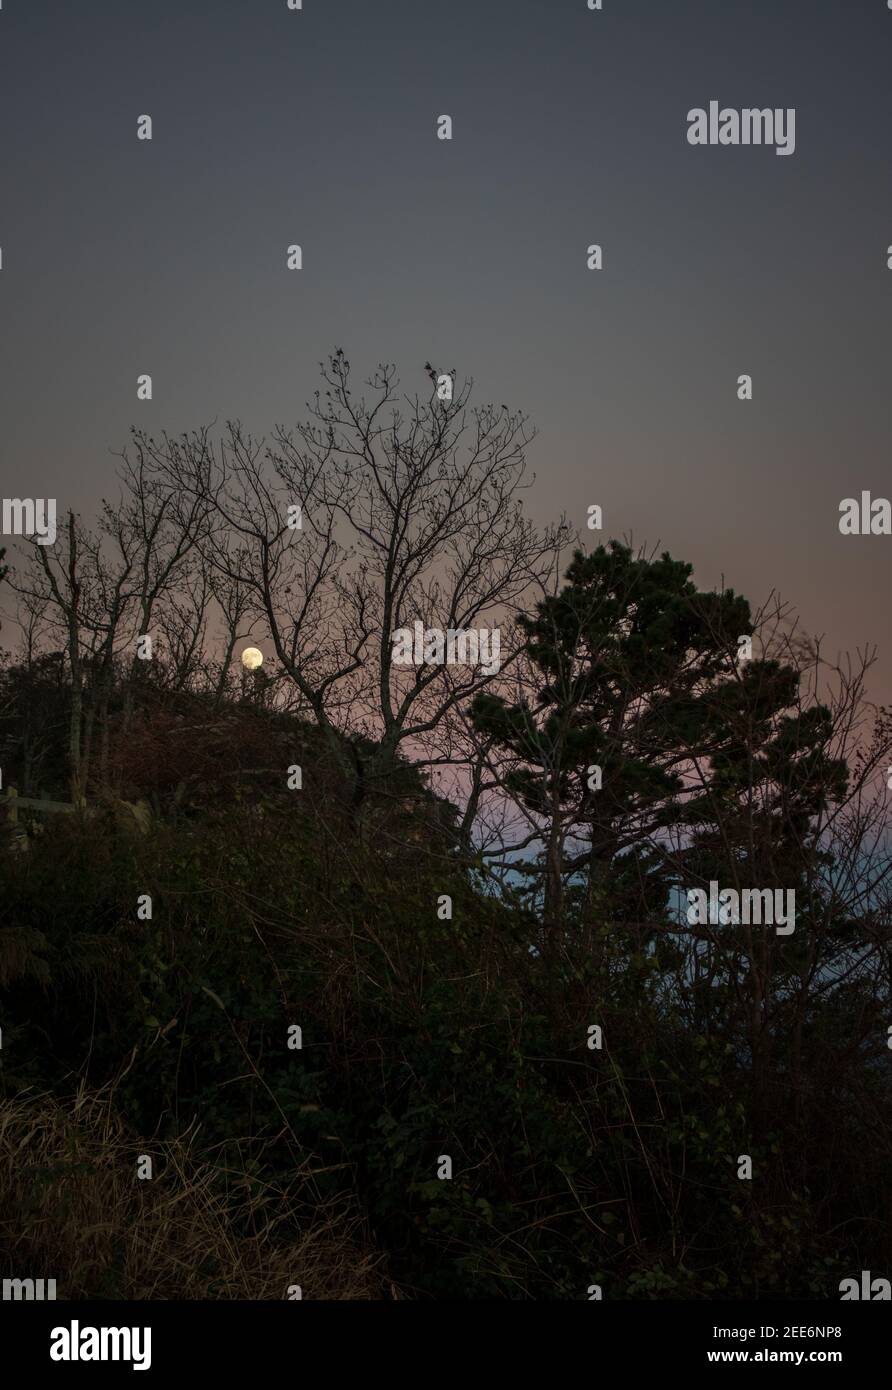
122, 257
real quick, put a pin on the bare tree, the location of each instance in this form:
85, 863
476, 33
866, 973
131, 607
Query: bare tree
97, 590
409, 511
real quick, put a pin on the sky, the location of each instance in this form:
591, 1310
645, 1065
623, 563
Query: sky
319, 127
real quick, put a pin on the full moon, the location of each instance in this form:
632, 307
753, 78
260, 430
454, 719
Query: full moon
252, 658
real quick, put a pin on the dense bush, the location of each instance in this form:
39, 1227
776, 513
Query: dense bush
421, 1038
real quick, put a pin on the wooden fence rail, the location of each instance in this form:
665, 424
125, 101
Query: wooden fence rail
12, 801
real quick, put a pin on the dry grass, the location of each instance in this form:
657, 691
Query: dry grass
73, 1209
